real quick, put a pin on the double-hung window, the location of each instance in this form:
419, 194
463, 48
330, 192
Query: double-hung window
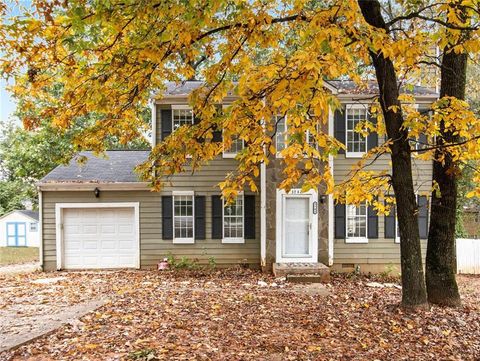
183, 217
237, 146
233, 219
281, 133
181, 115
356, 143
397, 231
356, 223
282, 138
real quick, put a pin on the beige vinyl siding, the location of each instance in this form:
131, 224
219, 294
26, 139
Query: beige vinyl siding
152, 247
381, 251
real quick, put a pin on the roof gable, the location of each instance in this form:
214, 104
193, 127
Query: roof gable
33, 215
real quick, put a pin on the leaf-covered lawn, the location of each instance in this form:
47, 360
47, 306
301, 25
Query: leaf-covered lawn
17, 255
228, 315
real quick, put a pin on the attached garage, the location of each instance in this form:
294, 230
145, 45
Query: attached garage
97, 235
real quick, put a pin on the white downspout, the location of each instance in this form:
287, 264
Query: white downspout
40, 226
153, 109
263, 207
263, 214
330, 196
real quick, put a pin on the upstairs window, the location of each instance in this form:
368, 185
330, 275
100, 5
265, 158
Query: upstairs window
282, 137
237, 146
356, 143
356, 223
281, 133
233, 215
181, 115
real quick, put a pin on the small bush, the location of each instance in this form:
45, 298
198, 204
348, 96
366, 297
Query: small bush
212, 262
143, 355
182, 263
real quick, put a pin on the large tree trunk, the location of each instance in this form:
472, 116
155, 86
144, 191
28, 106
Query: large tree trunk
413, 280
441, 255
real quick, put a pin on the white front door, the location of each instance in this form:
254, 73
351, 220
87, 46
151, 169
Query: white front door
297, 224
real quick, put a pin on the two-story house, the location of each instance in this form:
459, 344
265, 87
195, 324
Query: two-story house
100, 215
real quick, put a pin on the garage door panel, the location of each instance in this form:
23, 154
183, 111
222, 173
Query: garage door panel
107, 229
125, 229
73, 245
93, 244
99, 238
108, 244
125, 245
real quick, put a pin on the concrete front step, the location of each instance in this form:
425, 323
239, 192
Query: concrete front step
302, 272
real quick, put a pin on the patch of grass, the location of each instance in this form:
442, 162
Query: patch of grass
17, 255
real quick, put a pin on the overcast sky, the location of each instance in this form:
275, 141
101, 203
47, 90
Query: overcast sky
7, 105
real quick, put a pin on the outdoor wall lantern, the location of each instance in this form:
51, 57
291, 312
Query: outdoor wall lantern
322, 198
96, 191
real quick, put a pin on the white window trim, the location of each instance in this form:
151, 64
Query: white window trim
234, 240
229, 154
180, 107
397, 233
356, 239
348, 154
278, 155
183, 240
226, 153
307, 137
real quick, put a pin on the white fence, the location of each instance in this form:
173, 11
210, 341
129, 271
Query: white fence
468, 256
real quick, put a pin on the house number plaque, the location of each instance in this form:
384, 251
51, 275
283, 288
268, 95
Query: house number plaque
314, 207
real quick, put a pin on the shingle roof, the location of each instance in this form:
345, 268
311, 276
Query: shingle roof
117, 167
343, 87
29, 213
350, 87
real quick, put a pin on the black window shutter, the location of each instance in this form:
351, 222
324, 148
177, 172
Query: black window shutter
372, 219
340, 221
249, 213
200, 217
217, 136
422, 142
372, 139
390, 224
339, 127
166, 116
423, 216
217, 215
197, 121
422, 138
167, 217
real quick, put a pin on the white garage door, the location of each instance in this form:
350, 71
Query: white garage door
99, 238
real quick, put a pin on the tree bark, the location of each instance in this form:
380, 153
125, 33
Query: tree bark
441, 260
413, 280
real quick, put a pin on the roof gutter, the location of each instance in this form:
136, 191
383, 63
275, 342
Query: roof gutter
90, 186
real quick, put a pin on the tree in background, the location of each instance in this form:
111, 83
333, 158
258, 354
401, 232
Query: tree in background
466, 183
28, 155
